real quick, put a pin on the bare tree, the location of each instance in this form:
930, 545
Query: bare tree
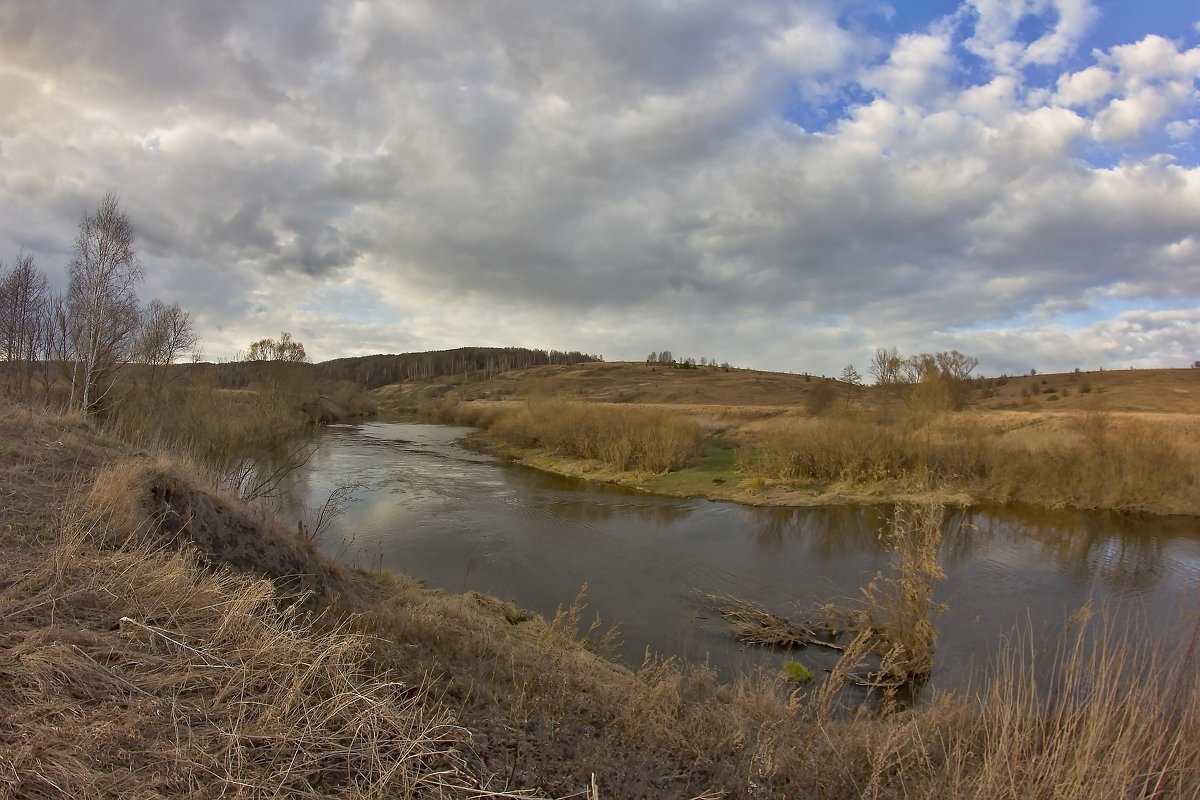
101, 304
955, 365
166, 333
24, 294
851, 377
885, 366
286, 349
914, 368
55, 342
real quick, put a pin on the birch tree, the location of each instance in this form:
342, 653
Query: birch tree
102, 304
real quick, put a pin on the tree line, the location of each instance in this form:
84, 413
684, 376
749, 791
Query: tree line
667, 359
373, 371
86, 333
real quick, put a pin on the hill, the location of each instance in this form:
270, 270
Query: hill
1141, 391
612, 382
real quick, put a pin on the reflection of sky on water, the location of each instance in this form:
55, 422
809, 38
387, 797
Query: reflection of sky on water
460, 519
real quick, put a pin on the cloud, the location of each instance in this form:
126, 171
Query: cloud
1128, 117
612, 179
1085, 87
1181, 130
997, 40
1155, 57
917, 69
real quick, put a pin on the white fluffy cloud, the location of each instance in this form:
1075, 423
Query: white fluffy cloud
996, 25
785, 185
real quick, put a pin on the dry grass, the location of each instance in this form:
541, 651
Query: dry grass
1095, 460
135, 672
871, 444
894, 618
898, 609
610, 382
1107, 718
217, 427
624, 438
131, 669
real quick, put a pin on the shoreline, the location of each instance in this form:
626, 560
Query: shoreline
689, 483
725, 491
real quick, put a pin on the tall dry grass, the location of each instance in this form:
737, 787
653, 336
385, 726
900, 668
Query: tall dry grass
1130, 466
622, 437
1107, 718
899, 609
135, 672
218, 427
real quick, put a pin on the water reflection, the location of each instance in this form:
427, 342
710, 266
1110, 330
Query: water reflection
459, 519
1123, 554
828, 531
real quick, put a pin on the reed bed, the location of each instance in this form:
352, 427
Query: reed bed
622, 437
1130, 465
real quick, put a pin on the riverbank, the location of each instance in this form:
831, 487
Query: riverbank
715, 477
1136, 462
158, 637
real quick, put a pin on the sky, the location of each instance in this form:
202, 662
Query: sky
780, 185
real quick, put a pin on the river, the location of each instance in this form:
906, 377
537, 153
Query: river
461, 520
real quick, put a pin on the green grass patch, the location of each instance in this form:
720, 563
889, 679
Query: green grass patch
716, 469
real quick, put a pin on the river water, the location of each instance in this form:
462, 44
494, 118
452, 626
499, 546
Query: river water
462, 520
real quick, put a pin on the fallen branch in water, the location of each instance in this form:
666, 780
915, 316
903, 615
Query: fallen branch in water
756, 625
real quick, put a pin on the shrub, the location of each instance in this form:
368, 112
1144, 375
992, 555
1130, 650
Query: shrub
820, 397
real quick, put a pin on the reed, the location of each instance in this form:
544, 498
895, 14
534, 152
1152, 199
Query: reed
1131, 466
622, 437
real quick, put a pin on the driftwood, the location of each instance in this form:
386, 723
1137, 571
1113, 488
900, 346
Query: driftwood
755, 625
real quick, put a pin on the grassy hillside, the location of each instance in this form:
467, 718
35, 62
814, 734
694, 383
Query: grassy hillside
611, 382
1155, 391
1162, 391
